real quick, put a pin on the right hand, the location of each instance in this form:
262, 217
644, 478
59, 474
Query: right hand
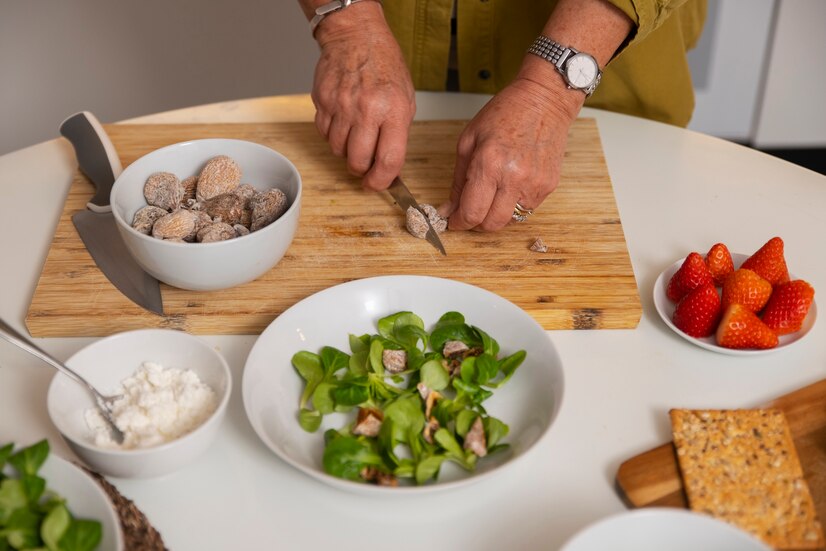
363, 93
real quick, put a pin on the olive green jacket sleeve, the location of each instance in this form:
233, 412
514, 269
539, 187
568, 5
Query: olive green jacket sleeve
648, 77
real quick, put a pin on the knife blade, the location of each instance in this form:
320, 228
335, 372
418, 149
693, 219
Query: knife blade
401, 194
99, 161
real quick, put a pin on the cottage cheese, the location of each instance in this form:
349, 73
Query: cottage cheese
157, 405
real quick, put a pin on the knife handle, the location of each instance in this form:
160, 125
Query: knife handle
96, 156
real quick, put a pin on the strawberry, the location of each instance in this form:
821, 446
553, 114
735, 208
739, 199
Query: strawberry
692, 274
745, 287
698, 312
788, 306
741, 328
719, 263
769, 263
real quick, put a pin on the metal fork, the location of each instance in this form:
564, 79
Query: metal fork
103, 403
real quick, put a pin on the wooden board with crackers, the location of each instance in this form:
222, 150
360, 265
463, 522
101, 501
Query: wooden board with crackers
762, 469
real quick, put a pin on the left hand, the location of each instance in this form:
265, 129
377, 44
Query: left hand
510, 152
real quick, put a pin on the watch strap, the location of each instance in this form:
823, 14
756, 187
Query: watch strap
557, 55
330, 7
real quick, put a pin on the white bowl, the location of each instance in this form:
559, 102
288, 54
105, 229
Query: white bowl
84, 497
665, 308
209, 266
657, 529
271, 388
105, 363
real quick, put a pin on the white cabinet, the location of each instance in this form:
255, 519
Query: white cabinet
759, 74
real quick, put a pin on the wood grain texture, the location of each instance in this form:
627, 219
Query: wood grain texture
584, 281
653, 477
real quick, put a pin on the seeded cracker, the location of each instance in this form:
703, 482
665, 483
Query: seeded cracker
741, 466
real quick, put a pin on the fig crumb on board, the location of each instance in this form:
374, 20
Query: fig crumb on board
417, 225
539, 246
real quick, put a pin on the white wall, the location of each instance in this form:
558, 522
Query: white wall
121, 59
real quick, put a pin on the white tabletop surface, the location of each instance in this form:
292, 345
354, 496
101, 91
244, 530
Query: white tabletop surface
677, 191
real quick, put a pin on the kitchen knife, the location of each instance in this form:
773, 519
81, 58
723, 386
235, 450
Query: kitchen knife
99, 161
406, 200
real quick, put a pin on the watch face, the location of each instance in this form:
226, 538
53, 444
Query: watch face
581, 70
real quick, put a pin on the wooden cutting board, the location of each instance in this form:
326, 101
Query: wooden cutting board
653, 478
584, 281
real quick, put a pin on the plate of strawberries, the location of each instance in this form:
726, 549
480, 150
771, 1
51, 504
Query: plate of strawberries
736, 303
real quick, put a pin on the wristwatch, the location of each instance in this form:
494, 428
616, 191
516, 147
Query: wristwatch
326, 9
580, 70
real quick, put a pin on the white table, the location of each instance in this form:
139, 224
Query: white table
676, 190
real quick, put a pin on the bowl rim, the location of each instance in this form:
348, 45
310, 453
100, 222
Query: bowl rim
120, 221
213, 417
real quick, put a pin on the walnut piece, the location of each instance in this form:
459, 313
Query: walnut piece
180, 224
164, 190
221, 174
146, 217
417, 225
240, 230
267, 207
219, 231
227, 206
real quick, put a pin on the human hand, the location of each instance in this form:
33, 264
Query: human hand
363, 95
510, 152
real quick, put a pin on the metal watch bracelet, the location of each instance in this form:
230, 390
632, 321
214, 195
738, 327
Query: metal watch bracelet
331, 7
557, 55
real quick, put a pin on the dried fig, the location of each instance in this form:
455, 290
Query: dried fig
218, 231
416, 224
267, 206
221, 174
164, 190
146, 217
179, 224
228, 206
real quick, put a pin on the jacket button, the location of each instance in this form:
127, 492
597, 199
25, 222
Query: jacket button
484, 74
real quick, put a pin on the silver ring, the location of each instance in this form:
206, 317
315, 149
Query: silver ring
520, 213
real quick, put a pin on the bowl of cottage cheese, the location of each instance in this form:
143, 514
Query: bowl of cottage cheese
171, 392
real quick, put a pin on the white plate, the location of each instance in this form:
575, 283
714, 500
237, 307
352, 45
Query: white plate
657, 529
84, 497
528, 403
665, 308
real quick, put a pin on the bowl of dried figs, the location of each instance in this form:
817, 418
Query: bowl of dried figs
208, 214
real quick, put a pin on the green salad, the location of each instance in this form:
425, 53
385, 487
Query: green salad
417, 397
33, 517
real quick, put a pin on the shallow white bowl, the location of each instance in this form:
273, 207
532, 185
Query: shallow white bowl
665, 308
84, 497
105, 363
659, 529
209, 266
528, 403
